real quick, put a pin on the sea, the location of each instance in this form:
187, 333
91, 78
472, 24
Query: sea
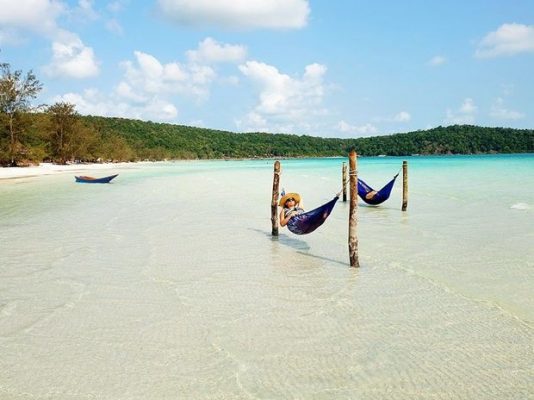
168, 284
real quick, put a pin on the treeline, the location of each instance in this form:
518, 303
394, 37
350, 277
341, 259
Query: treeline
179, 142
57, 133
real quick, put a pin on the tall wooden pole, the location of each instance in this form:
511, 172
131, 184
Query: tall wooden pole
404, 185
344, 177
274, 200
353, 211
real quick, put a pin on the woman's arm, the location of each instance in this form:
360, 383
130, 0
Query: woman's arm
284, 220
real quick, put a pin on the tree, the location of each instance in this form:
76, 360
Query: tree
16, 91
65, 122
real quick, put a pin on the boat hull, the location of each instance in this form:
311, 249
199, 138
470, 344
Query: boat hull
89, 179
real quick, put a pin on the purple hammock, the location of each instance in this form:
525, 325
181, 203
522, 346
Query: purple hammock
309, 221
382, 195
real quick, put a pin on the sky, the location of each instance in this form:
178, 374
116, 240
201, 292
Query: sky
340, 68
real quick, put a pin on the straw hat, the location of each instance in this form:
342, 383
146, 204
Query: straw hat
286, 196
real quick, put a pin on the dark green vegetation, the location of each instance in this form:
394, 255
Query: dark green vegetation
155, 140
59, 134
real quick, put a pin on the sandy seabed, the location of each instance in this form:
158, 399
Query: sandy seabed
167, 284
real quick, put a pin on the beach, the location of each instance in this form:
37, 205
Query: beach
54, 169
167, 283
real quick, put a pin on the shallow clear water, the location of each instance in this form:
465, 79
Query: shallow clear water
167, 284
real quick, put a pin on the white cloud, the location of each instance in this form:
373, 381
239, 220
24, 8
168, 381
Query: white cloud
125, 91
464, 115
403, 116
149, 75
237, 14
210, 51
284, 103
71, 58
92, 102
468, 107
507, 40
437, 61
498, 111
202, 74
147, 88
361, 130
34, 15
253, 122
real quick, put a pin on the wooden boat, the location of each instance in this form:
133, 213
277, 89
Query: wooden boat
90, 179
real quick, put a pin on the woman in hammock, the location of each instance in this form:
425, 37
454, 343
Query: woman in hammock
290, 204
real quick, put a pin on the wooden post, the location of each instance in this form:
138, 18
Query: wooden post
353, 211
404, 185
344, 177
274, 200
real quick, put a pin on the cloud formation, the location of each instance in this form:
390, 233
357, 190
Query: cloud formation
237, 14
500, 112
403, 116
464, 115
148, 86
284, 103
360, 130
72, 58
507, 40
93, 102
33, 15
147, 74
210, 51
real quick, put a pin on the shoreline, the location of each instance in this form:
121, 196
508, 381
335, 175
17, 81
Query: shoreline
10, 173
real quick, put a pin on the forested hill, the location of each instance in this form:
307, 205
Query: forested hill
160, 141
58, 133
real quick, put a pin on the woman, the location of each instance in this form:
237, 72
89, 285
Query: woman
290, 204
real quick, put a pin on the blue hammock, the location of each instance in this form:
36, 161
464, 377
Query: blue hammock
309, 221
382, 195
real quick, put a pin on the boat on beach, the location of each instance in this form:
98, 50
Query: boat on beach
90, 179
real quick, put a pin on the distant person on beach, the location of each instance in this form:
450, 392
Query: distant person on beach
290, 204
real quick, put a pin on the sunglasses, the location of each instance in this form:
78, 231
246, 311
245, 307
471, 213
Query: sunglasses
290, 199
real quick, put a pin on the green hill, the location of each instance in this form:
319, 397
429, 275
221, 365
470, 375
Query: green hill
158, 140
68, 137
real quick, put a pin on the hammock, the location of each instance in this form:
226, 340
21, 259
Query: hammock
382, 195
309, 221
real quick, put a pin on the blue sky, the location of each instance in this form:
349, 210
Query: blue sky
343, 68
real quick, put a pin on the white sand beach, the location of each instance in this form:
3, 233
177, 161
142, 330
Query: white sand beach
53, 169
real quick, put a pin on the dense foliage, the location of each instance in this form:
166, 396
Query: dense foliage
59, 134
94, 139
16, 92
156, 141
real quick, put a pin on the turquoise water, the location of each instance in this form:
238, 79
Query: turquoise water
167, 284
